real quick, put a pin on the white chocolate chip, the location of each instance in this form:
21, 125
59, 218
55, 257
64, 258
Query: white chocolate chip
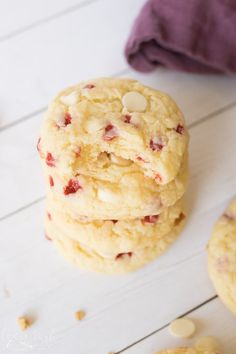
93, 125
136, 121
134, 102
207, 343
60, 120
119, 160
70, 99
182, 328
105, 195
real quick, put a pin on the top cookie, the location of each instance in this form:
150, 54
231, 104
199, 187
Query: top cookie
126, 121
222, 257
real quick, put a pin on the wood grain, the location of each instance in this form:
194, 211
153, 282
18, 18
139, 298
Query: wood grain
44, 47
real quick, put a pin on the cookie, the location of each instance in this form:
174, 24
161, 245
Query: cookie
92, 259
222, 257
135, 196
113, 237
186, 351
105, 127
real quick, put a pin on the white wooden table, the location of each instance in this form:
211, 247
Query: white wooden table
44, 46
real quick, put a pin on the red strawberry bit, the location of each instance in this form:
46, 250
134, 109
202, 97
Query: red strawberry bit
89, 86
72, 187
180, 218
179, 129
158, 177
156, 144
124, 255
110, 133
49, 216
50, 161
139, 158
127, 118
150, 219
78, 152
68, 118
51, 181
229, 216
47, 237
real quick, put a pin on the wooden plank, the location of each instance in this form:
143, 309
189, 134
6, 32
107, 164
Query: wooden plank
85, 43
41, 283
17, 16
213, 169
211, 319
197, 95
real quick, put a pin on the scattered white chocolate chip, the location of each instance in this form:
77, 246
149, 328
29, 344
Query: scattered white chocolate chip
134, 102
70, 99
119, 160
79, 315
207, 343
23, 323
182, 328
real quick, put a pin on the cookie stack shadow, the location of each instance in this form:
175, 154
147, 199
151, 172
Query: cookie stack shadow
115, 160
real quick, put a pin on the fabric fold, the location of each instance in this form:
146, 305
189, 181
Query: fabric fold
193, 36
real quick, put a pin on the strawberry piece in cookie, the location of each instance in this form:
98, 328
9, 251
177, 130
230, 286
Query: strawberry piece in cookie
126, 118
179, 129
110, 133
68, 119
139, 158
156, 144
51, 181
72, 187
151, 219
50, 161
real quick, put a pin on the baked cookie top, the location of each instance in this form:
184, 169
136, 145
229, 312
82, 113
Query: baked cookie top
100, 127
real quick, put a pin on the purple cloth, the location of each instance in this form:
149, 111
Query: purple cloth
189, 35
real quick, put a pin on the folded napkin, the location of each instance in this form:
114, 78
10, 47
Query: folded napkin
189, 35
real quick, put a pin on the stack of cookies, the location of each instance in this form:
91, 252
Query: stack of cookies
114, 155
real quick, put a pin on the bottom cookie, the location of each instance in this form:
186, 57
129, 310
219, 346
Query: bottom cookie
222, 257
89, 259
186, 351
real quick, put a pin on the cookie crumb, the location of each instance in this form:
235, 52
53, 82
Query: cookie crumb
79, 315
23, 322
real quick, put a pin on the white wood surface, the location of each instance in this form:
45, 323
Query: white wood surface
17, 18
45, 46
